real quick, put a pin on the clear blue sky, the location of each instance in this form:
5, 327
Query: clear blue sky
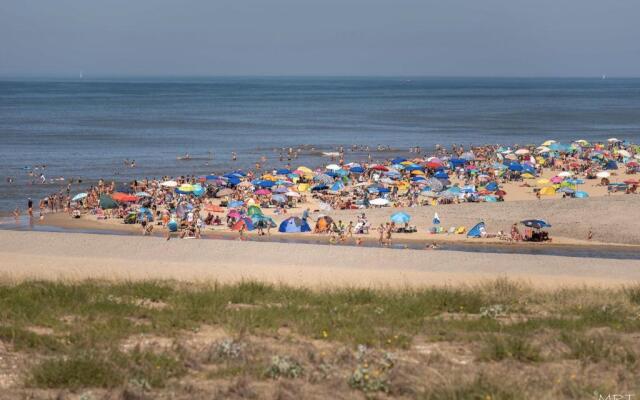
322, 37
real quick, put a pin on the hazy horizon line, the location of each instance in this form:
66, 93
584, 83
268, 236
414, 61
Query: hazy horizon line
89, 77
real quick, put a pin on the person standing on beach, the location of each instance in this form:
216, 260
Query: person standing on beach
381, 235
30, 207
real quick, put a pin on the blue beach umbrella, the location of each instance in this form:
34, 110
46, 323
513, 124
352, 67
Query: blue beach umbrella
400, 217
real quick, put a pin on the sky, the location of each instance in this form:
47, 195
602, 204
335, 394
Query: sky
321, 37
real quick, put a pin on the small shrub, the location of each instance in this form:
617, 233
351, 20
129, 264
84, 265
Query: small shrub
499, 348
226, 349
283, 366
493, 311
372, 372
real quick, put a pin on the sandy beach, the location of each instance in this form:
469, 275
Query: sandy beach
38, 255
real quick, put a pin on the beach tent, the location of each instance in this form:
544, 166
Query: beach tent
244, 222
106, 202
477, 230
294, 225
611, 165
262, 221
400, 217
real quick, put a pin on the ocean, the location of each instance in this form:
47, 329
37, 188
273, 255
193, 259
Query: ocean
87, 128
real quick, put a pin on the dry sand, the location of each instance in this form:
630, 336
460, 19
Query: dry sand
70, 256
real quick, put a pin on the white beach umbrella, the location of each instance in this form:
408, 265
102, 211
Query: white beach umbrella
170, 184
613, 140
624, 153
603, 174
379, 202
292, 194
543, 149
565, 174
333, 167
522, 152
548, 142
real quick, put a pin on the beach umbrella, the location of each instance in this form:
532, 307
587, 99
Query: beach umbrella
79, 197
400, 217
324, 179
292, 194
283, 171
357, 169
500, 193
624, 153
514, 166
535, 223
436, 219
522, 152
379, 167
565, 174
245, 185
631, 181
234, 214
379, 202
262, 192
278, 198
235, 204
332, 167
337, 187
613, 140
547, 191
581, 195
169, 184
123, 197
556, 179
106, 202
224, 192
294, 225
143, 194
603, 174
435, 184
548, 142
468, 156
543, 149
254, 210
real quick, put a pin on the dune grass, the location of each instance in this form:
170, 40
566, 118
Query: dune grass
72, 333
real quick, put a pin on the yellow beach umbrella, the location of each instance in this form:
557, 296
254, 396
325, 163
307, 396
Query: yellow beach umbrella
548, 142
543, 181
547, 191
527, 175
304, 169
303, 187
417, 172
185, 187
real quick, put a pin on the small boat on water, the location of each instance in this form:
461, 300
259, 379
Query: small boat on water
185, 157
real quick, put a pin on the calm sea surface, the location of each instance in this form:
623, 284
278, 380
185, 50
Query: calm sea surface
86, 128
